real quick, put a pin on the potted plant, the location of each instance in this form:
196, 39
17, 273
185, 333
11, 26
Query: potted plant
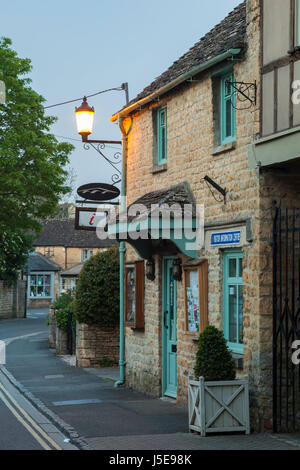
217, 401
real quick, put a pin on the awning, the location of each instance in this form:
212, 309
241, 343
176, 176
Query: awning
161, 222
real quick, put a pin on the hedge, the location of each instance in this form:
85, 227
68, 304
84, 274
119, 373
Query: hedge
97, 295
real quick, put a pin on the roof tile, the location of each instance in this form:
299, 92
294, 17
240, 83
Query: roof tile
229, 34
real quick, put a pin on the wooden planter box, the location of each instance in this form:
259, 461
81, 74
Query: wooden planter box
218, 407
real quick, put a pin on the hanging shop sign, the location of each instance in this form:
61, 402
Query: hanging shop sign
226, 238
98, 192
90, 219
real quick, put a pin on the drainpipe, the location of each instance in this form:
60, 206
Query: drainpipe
122, 248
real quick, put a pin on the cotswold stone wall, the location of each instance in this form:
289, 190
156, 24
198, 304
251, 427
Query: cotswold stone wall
12, 300
192, 154
95, 345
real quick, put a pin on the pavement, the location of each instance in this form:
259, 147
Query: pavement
81, 407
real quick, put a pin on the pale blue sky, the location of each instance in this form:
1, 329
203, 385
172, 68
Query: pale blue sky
79, 48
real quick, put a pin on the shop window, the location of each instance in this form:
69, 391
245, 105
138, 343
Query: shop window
134, 295
40, 285
233, 300
196, 297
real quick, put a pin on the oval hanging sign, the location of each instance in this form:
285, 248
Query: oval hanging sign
98, 192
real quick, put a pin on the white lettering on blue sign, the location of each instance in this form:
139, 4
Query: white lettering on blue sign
226, 238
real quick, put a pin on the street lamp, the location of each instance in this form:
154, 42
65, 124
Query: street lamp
84, 119
84, 115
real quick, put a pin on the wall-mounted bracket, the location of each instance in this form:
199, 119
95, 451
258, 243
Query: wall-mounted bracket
244, 92
212, 183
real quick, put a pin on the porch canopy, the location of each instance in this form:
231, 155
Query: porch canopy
161, 222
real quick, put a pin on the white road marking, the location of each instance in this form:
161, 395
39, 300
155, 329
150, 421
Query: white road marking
7, 341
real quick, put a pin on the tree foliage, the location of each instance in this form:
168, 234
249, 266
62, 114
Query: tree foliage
15, 247
32, 161
97, 295
213, 360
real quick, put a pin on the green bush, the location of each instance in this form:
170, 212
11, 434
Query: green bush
213, 360
62, 301
63, 305
97, 295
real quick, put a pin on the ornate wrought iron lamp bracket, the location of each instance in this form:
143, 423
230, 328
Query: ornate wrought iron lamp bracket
99, 147
84, 118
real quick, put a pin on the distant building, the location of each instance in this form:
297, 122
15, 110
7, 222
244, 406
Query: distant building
43, 280
69, 277
66, 248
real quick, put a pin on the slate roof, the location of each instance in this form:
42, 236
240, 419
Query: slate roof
73, 271
178, 194
63, 233
39, 262
229, 34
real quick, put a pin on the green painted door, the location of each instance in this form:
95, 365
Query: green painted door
169, 330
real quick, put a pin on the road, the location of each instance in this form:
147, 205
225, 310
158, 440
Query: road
53, 402
22, 426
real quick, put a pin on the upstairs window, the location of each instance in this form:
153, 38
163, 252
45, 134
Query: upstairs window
162, 136
227, 110
86, 254
297, 24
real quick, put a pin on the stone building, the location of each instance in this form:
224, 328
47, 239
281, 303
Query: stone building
68, 248
43, 280
212, 130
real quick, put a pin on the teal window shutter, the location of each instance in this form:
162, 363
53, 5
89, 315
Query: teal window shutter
162, 136
227, 108
233, 300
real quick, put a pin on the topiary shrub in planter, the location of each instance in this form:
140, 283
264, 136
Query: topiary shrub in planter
97, 309
213, 359
217, 402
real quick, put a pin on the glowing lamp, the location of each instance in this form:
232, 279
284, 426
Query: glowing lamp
84, 119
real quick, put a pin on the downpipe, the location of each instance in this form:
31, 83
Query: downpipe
122, 249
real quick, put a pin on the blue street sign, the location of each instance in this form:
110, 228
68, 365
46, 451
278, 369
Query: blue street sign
225, 238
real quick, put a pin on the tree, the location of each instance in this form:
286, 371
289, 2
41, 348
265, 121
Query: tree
213, 360
32, 161
97, 297
15, 247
